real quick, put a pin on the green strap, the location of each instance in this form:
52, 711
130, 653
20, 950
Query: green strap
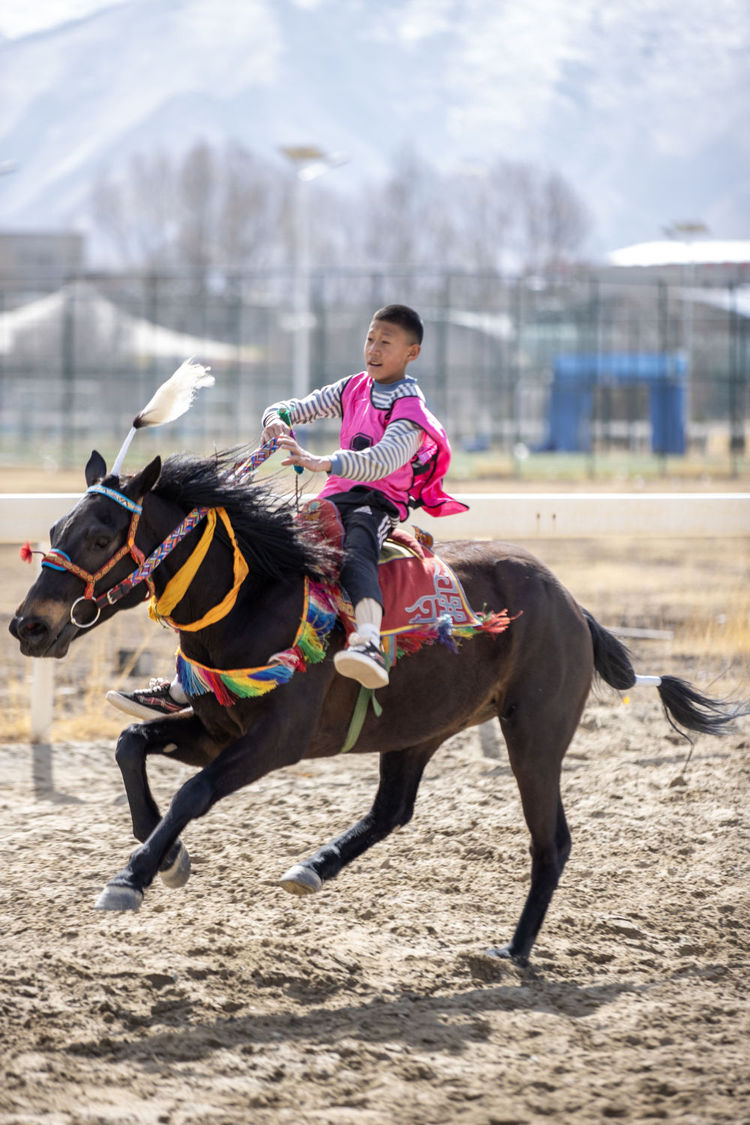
364, 699
284, 415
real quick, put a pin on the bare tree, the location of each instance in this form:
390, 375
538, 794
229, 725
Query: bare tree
197, 210
250, 212
224, 211
568, 220
395, 218
478, 205
135, 212
551, 219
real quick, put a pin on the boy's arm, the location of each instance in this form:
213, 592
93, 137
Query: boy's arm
322, 403
399, 443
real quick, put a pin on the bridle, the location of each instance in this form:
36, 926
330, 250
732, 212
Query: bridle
56, 559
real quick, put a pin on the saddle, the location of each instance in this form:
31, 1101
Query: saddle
423, 599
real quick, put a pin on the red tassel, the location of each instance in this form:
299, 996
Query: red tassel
219, 689
498, 622
26, 552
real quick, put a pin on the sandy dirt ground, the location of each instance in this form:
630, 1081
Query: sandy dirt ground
229, 1002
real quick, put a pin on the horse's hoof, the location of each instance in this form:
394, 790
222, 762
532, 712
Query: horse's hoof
178, 872
301, 880
115, 896
505, 953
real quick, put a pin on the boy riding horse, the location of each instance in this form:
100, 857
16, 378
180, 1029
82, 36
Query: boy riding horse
394, 456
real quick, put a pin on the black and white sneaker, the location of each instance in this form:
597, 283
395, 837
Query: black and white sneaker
363, 662
153, 702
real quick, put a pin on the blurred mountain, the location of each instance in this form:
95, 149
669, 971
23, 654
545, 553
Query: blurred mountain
642, 107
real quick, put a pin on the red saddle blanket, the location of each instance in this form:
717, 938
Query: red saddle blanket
423, 600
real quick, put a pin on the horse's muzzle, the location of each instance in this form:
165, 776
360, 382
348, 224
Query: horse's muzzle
37, 638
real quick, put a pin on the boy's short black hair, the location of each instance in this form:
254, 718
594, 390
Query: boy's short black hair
404, 317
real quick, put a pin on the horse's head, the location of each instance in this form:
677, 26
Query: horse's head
92, 549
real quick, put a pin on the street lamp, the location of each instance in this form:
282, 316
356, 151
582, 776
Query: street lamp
309, 163
687, 232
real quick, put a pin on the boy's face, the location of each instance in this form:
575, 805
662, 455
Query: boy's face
388, 349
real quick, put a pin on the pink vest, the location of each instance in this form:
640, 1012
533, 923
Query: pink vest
419, 482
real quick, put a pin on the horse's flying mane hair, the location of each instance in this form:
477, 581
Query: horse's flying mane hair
272, 541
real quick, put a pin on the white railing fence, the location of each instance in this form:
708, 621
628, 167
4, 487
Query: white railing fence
505, 515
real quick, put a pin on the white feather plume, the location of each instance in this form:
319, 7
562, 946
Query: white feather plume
174, 398
171, 400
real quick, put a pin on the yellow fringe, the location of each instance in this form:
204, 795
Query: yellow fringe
178, 585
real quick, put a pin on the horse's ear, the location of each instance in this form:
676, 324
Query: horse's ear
143, 482
96, 468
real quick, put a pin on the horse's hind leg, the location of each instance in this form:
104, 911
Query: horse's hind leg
400, 775
535, 750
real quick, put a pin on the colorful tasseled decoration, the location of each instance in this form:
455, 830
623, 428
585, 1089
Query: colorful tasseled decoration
445, 631
309, 647
321, 609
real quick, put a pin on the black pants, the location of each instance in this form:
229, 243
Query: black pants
367, 516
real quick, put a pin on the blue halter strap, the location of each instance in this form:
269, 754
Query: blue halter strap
123, 501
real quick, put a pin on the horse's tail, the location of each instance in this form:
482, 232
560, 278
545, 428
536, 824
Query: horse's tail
685, 707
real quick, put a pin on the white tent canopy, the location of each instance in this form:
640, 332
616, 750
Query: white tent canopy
671, 252
134, 335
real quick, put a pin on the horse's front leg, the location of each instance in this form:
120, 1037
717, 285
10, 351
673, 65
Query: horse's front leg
269, 745
134, 745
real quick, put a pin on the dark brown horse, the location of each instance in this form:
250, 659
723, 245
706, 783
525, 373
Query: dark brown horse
535, 676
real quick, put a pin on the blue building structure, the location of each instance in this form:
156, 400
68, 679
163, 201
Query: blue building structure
577, 377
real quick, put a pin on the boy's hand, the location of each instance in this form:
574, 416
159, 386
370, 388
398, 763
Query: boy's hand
300, 456
275, 428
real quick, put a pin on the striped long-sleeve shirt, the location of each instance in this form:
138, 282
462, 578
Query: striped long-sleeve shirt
397, 446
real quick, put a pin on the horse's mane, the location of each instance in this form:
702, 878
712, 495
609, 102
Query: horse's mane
273, 542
